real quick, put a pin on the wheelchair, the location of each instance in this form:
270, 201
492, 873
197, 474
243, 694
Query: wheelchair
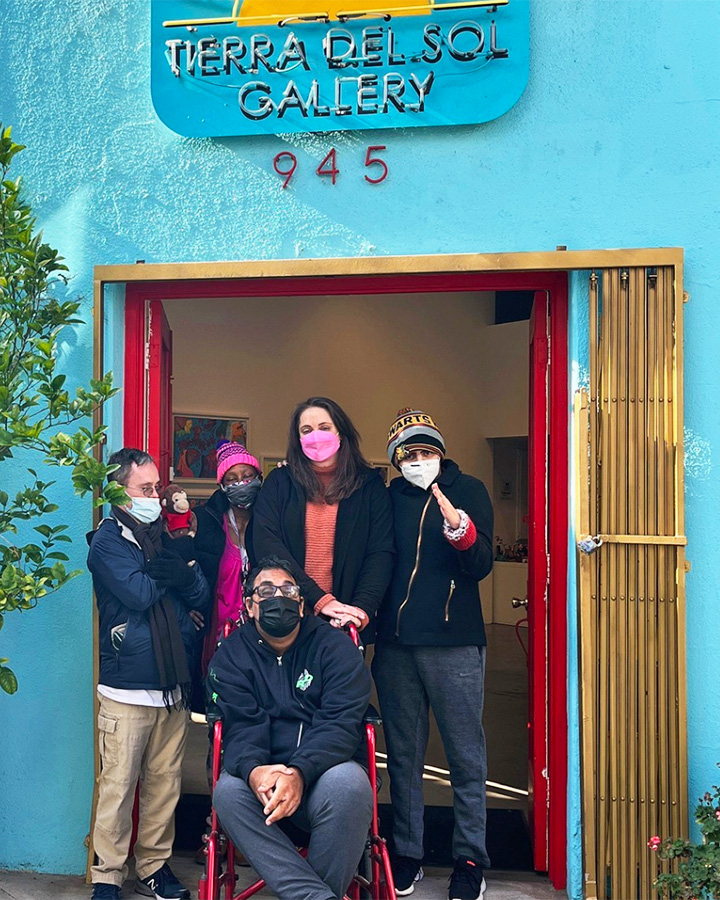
373, 879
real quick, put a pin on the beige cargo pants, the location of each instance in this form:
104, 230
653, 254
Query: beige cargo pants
142, 743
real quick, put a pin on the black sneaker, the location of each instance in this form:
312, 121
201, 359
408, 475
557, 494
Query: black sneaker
105, 891
406, 872
162, 885
467, 881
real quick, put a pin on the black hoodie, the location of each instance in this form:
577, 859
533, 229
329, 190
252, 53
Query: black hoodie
302, 709
433, 599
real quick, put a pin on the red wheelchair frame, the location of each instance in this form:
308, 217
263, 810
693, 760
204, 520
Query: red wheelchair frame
376, 883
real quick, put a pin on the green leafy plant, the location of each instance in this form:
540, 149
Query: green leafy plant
38, 415
696, 872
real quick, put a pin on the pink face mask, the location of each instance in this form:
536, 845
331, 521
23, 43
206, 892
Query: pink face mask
320, 445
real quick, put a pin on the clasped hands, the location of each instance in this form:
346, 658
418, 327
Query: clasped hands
279, 788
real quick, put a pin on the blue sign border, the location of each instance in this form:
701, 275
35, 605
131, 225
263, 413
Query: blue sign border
459, 66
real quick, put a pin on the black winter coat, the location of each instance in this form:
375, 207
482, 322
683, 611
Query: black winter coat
434, 599
303, 709
124, 596
363, 554
210, 536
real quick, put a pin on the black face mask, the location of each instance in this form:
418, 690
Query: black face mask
243, 494
278, 616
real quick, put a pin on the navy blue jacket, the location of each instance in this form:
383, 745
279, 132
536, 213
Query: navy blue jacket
124, 594
363, 552
303, 709
434, 599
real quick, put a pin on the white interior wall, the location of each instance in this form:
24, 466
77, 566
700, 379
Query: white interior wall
373, 355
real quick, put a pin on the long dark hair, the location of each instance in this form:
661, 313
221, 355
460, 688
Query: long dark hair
351, 464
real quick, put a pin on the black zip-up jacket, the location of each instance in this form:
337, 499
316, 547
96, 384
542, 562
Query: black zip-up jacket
302, 709
363, 553
434, 599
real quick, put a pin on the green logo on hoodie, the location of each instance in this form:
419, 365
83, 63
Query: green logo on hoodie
304, 681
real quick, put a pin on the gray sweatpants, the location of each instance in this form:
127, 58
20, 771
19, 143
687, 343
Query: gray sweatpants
450, 680
336, 810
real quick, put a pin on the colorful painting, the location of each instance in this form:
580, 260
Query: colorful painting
195, 439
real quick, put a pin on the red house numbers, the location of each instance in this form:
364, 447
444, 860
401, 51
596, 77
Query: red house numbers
285, 163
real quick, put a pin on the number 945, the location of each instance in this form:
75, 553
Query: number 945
285, 164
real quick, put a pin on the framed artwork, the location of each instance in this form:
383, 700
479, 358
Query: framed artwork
194, 441
269, 463
198, 490
384, 469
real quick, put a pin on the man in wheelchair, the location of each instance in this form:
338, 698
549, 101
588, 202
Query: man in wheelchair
292, 692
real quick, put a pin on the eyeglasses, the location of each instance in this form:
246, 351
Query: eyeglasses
266, 590
147, 491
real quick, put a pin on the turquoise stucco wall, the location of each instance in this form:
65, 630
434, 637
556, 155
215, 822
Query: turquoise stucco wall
613, 144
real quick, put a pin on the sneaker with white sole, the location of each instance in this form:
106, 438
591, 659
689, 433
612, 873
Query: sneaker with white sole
163, 885
467, 881
406, 873
103, 891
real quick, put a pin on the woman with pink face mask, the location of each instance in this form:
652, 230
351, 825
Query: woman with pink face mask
328, 513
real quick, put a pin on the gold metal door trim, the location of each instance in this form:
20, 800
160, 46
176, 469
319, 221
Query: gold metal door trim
678, 540
629, 462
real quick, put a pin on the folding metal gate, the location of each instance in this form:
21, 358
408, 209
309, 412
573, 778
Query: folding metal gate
632, 580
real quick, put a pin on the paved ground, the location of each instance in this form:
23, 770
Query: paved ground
501, 885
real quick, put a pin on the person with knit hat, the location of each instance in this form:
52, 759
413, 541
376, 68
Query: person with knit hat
328, 512
430, 648
221, 544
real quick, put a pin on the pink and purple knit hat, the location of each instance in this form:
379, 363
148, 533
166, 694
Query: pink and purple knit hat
229, 454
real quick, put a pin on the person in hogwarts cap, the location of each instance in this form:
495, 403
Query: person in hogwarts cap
431, 647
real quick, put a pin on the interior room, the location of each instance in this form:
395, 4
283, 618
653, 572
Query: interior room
463, 358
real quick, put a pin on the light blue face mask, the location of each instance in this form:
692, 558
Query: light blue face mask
145, 509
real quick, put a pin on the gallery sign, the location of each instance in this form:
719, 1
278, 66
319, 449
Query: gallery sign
247, 67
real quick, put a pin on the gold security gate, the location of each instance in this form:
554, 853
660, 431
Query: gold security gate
632, 579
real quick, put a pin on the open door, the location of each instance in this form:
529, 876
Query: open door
160, 391
148, 380
538, 579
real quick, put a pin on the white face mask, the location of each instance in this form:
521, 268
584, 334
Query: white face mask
421, 473
145, 509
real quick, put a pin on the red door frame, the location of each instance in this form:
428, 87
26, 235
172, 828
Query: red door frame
538, 556
139, 294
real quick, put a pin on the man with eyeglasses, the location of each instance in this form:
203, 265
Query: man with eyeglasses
145, 593
292, 691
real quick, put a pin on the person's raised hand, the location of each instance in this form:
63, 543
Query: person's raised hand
285, 798
449, 513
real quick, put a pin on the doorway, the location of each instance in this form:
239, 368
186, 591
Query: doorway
278, 316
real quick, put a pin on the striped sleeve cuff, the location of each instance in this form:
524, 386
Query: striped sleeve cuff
464, 536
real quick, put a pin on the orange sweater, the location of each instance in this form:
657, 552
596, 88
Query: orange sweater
320, 518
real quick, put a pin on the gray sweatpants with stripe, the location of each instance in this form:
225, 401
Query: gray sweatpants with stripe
450, 680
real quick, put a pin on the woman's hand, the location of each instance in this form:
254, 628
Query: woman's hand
449, 513
340, 614
198, 618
